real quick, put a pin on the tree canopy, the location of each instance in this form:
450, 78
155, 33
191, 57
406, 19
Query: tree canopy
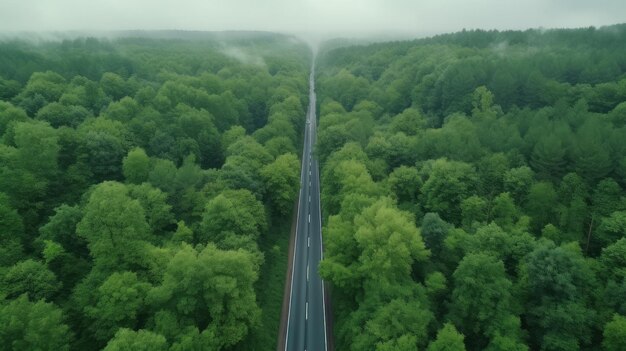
144, 183
504, 150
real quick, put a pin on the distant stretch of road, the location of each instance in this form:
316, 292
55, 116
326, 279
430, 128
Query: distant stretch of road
306, 319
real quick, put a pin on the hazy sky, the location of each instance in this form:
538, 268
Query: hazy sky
322, 16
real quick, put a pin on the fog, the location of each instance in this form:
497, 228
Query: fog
329, 17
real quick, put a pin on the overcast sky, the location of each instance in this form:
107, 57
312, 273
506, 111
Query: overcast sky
347, 17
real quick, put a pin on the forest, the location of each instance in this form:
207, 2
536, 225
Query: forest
146, 190
473, 191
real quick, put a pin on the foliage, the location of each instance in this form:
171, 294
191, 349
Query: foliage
115, 156
506, 149
26, 325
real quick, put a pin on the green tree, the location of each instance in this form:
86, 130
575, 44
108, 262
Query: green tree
610, 230
211, 289
549, 157
409, 122
280, 145
42, 88
348, 177
61, 228
232, 213
556, 281
504, 212
606, 198
510, 247
517, 182
434, 231
114, 85
70, 260
541, 204
405, 184
448, 339
481, 299
162, 175
482, 103
26, 325
10, 114
612, 269
615, 334
156, 208
115, 227
346, 88
11, 233
183, 233
123, 110
9, 88
491, 172
387, 246
136, 166
398, 325
103, 153
282, 181
119, 301
38, 148
473, 210
232, 135
389, 242
449, 182
142, 340
573, 210
591, 155
58, 115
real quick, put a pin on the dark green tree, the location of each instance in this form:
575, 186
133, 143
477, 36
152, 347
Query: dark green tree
31, 278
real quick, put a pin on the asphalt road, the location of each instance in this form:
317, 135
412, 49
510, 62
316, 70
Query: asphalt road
306, 320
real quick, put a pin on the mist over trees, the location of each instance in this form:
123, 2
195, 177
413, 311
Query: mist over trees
143, 188
473, 190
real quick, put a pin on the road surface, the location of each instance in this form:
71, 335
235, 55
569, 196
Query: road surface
306, 319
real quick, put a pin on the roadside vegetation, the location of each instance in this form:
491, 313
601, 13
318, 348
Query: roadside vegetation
473, 191
146, 187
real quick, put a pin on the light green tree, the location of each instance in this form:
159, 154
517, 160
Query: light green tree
615, 334
115, 227
211, 289
136, 166
282, 182
142, 340
232, 212
448, 339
